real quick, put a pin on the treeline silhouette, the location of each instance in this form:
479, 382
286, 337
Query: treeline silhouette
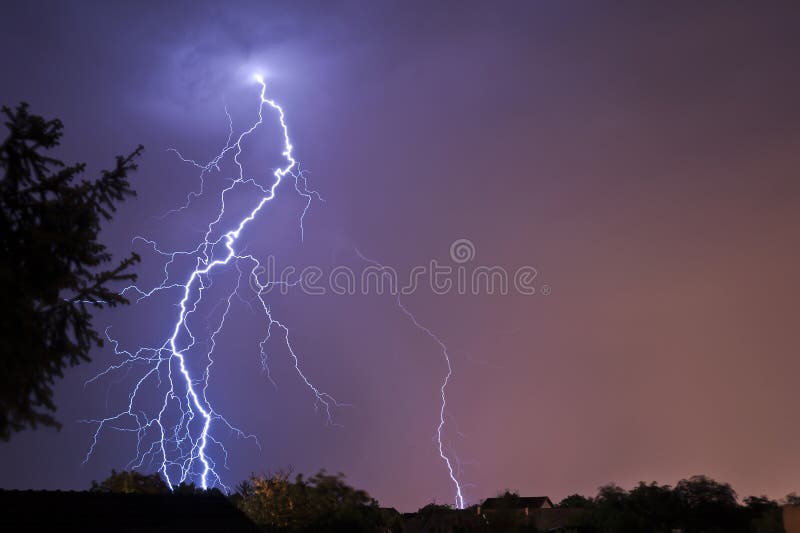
697, 504
278, 501
283, 502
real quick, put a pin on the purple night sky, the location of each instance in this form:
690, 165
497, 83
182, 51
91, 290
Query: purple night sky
643, 158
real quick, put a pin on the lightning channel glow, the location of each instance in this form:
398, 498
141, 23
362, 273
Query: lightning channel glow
459, 497
180, 434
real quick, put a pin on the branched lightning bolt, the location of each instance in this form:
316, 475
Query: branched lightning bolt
451, 471
180, 434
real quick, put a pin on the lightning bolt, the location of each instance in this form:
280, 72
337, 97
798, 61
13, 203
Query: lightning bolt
181, 434
451, 471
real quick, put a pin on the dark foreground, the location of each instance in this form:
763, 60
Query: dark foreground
94, 511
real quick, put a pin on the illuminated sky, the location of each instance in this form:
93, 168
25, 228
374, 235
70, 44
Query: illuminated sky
644, 159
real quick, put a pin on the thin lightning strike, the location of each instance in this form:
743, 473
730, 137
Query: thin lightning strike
179, 435
459, 497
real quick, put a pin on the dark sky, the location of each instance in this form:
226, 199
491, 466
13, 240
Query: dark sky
644, 158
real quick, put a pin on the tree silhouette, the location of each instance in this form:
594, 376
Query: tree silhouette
792, 499
131, 482
709, 504
52, 271
322, 502
576, 501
